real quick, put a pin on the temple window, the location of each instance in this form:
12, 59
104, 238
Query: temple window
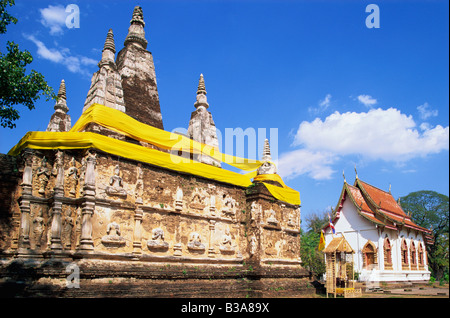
369, 255
387, 254
413, 254
405, 256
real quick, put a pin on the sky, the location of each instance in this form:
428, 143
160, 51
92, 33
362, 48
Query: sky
331, 87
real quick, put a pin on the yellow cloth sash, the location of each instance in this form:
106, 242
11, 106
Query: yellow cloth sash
124, 124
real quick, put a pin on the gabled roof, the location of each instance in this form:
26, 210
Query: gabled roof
338, 244
375, 205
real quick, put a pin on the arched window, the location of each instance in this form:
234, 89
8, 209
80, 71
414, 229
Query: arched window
421, 257
387, 254
369, 255
405, 256
413, 252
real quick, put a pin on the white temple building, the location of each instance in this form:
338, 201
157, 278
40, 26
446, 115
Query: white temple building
388, 245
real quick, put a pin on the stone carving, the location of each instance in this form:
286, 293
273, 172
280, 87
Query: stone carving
198, 199
255, 210
82, 174
72, 178
113, 238
229, 205
195, 242
292, 220
271, 219
43, 175
115, 184
212, 205
179, 199
253, 245
139, 188
157, 242
38, 228
226, 244
67, 230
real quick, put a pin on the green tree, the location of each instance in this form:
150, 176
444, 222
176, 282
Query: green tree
312, 258
430, 209
17, 87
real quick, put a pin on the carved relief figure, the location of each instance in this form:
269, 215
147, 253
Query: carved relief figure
195, 242
157, 242
115, 184
43, 176
197, 201
253, 245
271, 219
229, 205
139, 188
113, 238
82, 174
226, 244
72, 177
254, 210
38, 228
67, 230
179, 199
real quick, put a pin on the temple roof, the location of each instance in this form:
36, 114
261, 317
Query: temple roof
375, 205
338, 244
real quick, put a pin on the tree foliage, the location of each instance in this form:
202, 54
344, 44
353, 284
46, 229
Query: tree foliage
430, 209
312, 258
17, 87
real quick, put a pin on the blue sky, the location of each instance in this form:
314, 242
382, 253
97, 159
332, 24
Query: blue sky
339, 93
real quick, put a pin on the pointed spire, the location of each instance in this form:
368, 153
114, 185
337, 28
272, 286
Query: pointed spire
62, 90
201, 94
109, 42
266, 151
138, 16
61, 104
343, 174
268, 167
201, 86
356, 172
60, 120
109, 50
136, 33
389, 188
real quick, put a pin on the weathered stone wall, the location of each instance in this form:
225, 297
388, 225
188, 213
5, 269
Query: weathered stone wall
87, 206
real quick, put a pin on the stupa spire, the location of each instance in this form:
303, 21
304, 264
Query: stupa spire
201, 94
109, 50
109, 42
60, 120
136, 33
62, 90
268, 167
266, 151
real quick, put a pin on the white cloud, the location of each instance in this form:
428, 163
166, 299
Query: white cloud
75, 64
315, 164
48, 54
54, 18
426, 112
367, 100
322, 105
379, 134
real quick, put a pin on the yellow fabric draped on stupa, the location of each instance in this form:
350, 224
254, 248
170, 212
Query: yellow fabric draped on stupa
120, 122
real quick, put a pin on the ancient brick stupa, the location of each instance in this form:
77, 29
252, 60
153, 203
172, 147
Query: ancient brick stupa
107, 197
